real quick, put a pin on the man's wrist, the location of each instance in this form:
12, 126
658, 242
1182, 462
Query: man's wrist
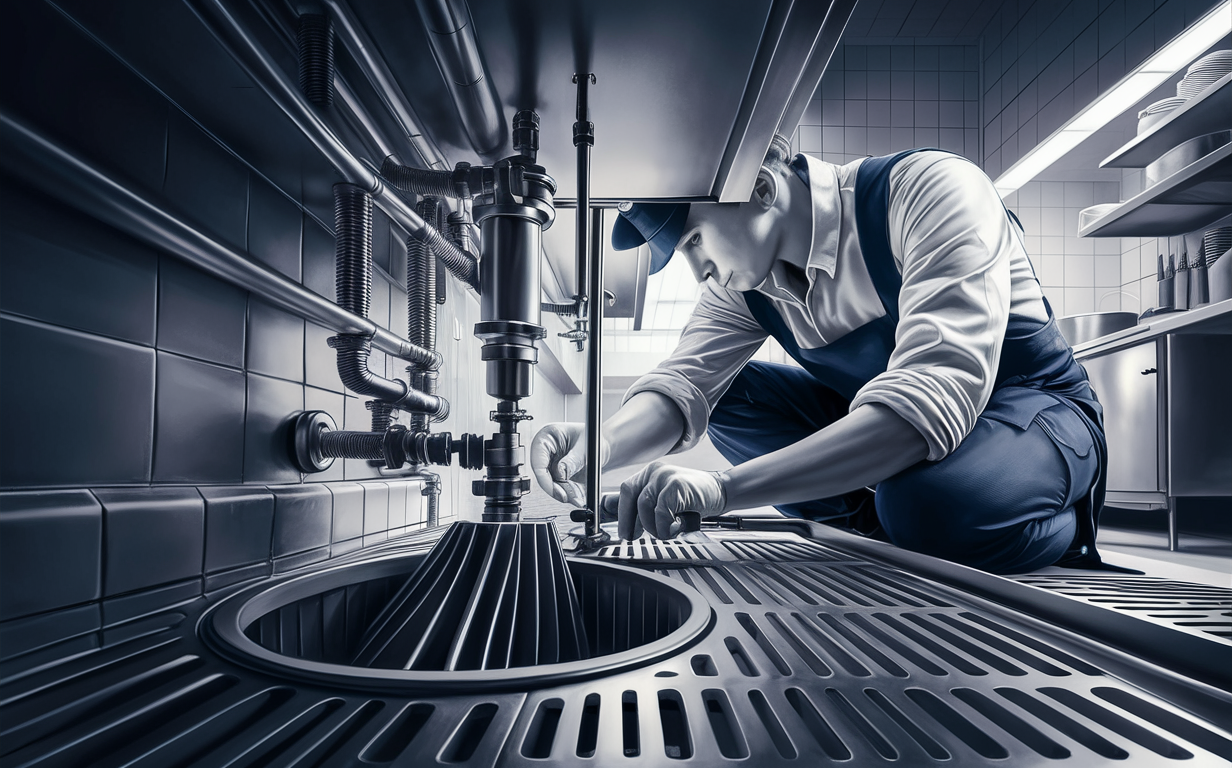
722, 479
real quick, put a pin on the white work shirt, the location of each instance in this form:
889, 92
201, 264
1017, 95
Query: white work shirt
964, 269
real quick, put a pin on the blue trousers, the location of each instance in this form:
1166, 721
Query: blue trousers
1003, 501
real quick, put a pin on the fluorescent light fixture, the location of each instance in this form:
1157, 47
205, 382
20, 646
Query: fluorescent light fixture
1160, 67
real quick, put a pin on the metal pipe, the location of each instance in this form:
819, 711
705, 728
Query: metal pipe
59, 173
451, 37
589, 297
363, 50
266, 74
594, 377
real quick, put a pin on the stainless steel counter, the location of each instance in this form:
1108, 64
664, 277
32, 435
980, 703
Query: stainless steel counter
1212, 318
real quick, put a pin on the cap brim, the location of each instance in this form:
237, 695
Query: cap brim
625, 235
663, 244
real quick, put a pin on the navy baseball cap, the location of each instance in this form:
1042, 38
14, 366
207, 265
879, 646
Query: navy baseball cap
659, 224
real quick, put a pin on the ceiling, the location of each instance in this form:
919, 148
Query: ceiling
686, 94
920, 18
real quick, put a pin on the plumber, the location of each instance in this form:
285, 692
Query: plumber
935, 404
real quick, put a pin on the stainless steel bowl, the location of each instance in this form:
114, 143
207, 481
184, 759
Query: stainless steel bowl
1079, 329
1183, 154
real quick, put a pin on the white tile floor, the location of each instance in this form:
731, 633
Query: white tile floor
1201, 560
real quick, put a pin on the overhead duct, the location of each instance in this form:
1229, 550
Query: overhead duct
451, 37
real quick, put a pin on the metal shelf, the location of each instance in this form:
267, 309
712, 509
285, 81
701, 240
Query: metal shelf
1193, 197
1203, 114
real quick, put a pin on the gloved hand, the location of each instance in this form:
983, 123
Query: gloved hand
558, 460
653, 499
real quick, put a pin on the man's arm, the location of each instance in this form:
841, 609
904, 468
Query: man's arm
645, 428
863, 448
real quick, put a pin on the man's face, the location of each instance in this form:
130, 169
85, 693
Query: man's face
729, 243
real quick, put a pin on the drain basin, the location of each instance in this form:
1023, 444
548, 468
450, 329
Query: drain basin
308, 627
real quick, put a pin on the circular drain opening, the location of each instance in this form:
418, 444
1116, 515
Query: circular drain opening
310, 626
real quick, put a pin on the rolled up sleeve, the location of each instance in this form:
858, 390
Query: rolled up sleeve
950, 232
718, 340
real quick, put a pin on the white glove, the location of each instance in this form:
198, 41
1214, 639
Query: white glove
558, 461
654, 498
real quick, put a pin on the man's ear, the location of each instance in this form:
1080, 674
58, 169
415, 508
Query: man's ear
765, 189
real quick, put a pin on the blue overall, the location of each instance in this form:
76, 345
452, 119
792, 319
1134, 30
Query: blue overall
1021, 492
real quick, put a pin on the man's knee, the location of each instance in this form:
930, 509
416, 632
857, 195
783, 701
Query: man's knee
917, 510
984, 504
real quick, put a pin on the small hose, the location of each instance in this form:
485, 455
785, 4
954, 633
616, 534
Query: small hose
353, 254
353, 445
461, 265
421, 281
418, 180
382, 414
316, 58
353, 248
353, 351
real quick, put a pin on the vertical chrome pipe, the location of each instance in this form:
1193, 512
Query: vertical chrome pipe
594, 376
590, 270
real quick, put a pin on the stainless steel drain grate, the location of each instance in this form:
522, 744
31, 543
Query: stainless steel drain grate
834, 660
723, 546
1194, 608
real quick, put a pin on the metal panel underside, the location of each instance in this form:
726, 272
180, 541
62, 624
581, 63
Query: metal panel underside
815, 656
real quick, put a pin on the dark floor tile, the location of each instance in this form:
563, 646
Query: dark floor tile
239, 522
200, 316
50, 551
26, 635
135, 605
199, 428
152, 536
65, 268
272, 405
275, 341
303, 516
275, 225
206, 183
57, 383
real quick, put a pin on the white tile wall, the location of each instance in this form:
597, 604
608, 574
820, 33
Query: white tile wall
879, 99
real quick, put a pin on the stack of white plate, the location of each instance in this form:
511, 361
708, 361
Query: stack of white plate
1204, 72
1215, 242
1157, 112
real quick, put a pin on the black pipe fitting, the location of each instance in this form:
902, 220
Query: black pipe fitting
316, 443
315, 39
353, 371
526, 134
462, 182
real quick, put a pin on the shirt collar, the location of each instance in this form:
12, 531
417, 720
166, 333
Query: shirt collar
823, 185
824, 191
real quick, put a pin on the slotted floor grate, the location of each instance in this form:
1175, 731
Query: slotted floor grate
816, 661
1194, 608
723, 547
